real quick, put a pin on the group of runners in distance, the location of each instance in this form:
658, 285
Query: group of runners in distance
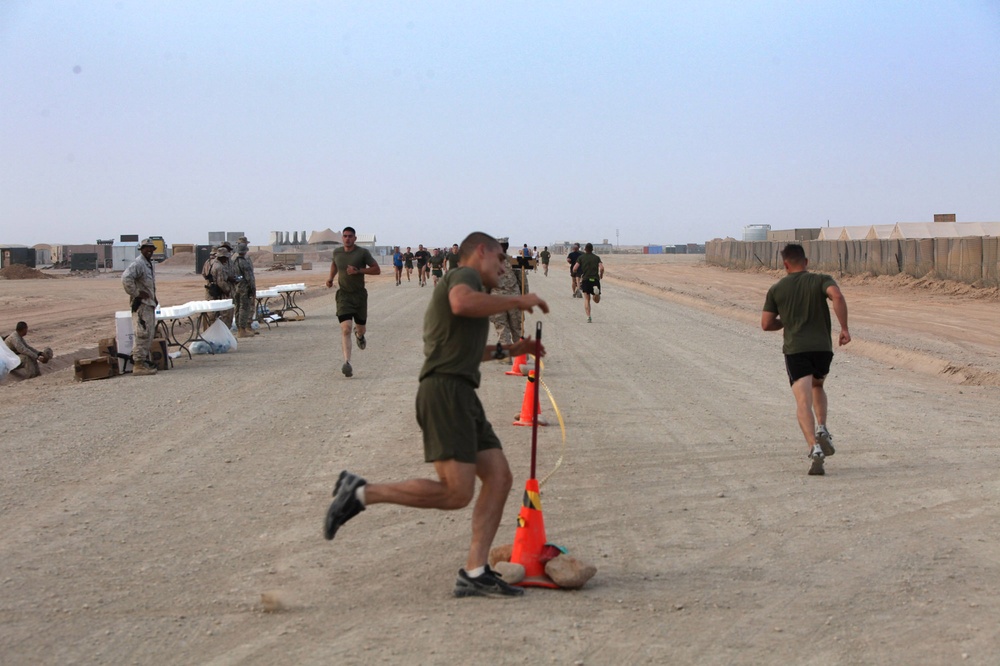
457, 437
431, 264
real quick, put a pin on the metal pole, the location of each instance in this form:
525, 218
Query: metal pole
538, 380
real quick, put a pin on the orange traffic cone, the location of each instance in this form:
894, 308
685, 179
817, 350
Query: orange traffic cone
528, 404
529, 539
517, 367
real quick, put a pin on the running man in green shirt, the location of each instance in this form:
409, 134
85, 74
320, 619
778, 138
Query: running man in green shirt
458, 439
350, 266
590, 269
796, 305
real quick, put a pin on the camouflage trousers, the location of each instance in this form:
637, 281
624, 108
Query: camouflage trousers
246, 307
508, 326
144, 326
28, 368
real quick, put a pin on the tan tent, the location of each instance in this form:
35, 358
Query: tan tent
326, 237
830, 233
880, 231
856, 232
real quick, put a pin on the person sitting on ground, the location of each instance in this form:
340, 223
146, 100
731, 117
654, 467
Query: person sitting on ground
30, 357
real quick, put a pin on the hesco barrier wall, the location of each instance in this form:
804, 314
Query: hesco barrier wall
975, 260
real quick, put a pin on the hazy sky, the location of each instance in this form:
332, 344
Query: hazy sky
669, 122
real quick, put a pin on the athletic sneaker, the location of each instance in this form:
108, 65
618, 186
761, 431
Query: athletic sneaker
345, 505
816, 455
346, 369
490, 584
362, 343
589, 321
825, 440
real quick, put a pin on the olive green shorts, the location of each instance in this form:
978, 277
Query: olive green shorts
353, 304
452, 420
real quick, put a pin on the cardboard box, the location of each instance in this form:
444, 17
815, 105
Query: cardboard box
87, 369
107, 347
158, 354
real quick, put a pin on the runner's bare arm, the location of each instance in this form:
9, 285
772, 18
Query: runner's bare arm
769, 321
840, 309
467, 302
333, 274
525, 346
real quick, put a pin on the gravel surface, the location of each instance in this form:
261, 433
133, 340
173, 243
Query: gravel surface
177, 518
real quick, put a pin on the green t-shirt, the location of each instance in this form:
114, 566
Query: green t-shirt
437, 262
454, 345
359, 257
453, 258
800, 300
545, 256
590, 266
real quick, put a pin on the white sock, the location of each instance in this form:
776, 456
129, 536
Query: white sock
477, 572
360, 494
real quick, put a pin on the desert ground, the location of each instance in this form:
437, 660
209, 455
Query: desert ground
177, 519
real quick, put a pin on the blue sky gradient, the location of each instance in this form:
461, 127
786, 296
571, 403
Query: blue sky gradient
669, 122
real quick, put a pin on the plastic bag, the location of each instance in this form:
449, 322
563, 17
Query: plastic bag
8, 360
219, 336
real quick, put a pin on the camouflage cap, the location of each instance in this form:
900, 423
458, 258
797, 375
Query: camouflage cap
227, 245
145, 242
222, 252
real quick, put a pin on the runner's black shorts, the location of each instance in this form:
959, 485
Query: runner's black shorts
588, 285
347, 317
804, 364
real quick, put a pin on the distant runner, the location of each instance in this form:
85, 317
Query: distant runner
591, 270
796, 305
350, 265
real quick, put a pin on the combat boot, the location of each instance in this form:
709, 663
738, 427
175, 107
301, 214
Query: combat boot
143, 368
244, 333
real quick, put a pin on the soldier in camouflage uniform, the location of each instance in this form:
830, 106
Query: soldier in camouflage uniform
245, 297
224, 278
30, 357
206, 272
140, 283
508, 324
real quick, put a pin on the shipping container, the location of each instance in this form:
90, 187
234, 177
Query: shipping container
24, 256
122, 256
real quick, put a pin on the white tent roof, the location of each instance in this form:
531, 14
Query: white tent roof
856, 232
830, 233
879, 231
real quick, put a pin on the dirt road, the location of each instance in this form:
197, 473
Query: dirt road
144, 517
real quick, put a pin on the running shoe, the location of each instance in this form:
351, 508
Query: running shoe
589, 321
346, 369
490, 584
816, 455
345, 504
825, 440
362, 343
